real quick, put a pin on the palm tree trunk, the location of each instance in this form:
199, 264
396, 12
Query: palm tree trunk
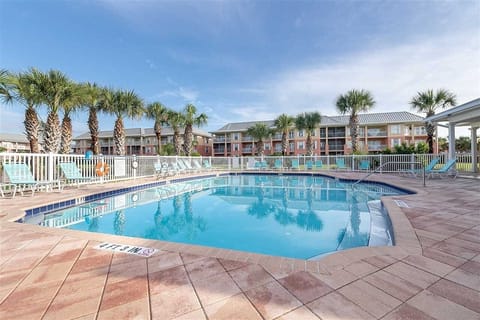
52, 133
430, 133
354, 131
119, 137
260, 147
93, 127
176, 142
309, 145
66, 140
158, 133
188, 139
32, 126
284, 143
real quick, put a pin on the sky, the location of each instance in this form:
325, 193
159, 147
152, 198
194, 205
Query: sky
246, 60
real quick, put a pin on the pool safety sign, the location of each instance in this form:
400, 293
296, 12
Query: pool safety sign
139, 251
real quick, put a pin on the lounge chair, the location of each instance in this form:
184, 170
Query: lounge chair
318, 164
364, 165
428, 168
309, 165
278, 164
445, 170
295, 164
20, 175
261, 165
162, 170
207, 165
187, 165
71, 172
197, 165
8, 187
340, 162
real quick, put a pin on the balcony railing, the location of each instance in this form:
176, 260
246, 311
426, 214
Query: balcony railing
376, 133
376, 147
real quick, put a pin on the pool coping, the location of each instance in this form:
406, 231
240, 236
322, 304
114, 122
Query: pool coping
406, 241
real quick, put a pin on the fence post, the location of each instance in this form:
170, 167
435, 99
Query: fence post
50, 167
134, 166
381, 163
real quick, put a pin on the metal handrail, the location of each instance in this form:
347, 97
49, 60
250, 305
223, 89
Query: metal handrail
383, 165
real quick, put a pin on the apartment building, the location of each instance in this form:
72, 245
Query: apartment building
142, 141
378, 131
13, 142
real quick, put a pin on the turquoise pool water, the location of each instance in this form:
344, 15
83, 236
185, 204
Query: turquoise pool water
283, 215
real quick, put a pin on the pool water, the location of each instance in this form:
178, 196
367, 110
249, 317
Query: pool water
283, 215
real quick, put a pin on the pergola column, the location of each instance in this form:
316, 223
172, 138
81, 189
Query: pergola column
474, 150
451, 140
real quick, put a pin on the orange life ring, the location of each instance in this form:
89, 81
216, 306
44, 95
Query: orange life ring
102, 169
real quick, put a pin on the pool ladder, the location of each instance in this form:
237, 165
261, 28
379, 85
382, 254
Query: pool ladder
390, 162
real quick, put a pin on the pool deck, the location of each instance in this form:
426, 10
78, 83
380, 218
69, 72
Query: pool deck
433, 272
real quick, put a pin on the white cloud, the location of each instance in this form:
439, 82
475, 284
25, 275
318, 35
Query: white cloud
186, 94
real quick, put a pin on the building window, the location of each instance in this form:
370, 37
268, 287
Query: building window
395, 129
206, 150
419, 131
315, 144
300, 145
301, 133
292, 146
291, 135
396, 142
236, 147
236, 136
313, 132
267, 146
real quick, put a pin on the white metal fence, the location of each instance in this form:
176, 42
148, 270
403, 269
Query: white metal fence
46, 167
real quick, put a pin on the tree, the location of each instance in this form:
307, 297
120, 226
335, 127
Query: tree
283, 124
55, 90
6, 85
92, 95
176, 120
121, 103
354, 102
159, 113
429, 102
191, 118
25, 91
463, 144
442, 144
69, 107
308, 122
259, 132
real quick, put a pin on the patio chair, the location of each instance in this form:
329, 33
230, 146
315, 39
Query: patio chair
428, 168
162, 170
72, 173
20, 175
340, 162
278, 164
187, 165
8, 188
295, 164
309, 164
261, 165
318, 164
197, 165
207, 165
445, 170
364, 165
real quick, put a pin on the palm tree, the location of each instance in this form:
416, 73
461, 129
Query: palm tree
69, 107
354, 102
121, 104
176, 120
308, 121
429, 102
92, 95
159, 113
283, 124
25, 92
191, 118
55, 90
259, 132
6, 85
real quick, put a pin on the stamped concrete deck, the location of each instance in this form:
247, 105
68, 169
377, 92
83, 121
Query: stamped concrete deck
432, 273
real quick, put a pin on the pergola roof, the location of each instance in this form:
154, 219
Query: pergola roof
467, 114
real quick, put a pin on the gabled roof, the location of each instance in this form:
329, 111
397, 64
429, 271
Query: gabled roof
141, 132
365, 119
13, 137
464, 114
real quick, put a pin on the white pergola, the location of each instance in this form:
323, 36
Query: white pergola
467, 114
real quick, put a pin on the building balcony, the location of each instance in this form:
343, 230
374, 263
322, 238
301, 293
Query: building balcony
247, 139
376, 147
335, 147
335, 135
221, 140
376, 133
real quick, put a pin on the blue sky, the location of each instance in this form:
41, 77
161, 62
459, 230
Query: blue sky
246, 60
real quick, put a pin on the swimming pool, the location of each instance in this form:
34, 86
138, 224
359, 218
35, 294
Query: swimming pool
294, 216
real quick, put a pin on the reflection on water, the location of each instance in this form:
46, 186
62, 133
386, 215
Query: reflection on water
296, 216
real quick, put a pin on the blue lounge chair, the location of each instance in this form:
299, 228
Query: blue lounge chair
71, 172
364, 165
261, 165
295, 164
309, 165
19, 174
340, 162
278, 164
197, 165
318, 164
428, 168
445, 170
207, 165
